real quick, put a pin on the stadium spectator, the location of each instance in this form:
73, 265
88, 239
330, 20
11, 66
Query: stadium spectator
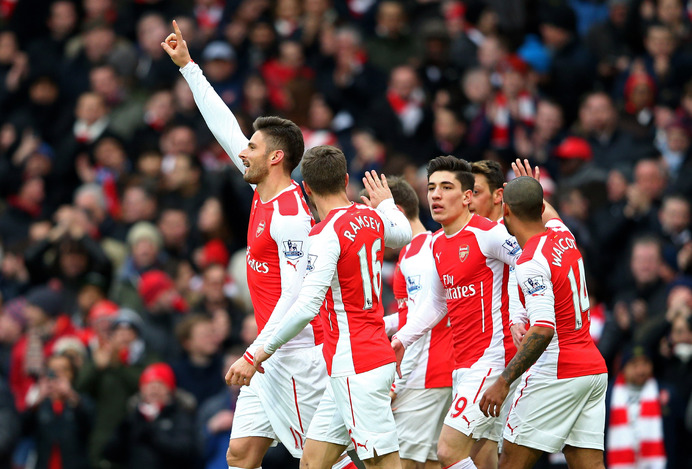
12, 325
110, 378
635, 433
144, 242
60, 419
401, 119
197, 371
220, 64
392, 44
215, 419
158, 431
174, 225
46, 323
163, 308
598, 123
216, 301
345, 76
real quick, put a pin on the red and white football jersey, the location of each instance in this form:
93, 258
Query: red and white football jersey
426, 362
343, 285
276, 261
473, 266
278, 229
552, 282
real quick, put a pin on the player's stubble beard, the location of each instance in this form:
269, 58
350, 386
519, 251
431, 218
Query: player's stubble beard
257, 171
508, 225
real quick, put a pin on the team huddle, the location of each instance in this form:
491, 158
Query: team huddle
500, 289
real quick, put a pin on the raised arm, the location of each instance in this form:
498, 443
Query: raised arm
524, 169
218, 117
397, 229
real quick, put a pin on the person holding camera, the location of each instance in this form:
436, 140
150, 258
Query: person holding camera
59, 419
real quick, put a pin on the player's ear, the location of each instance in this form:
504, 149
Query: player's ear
542, 208
277, 157
498, 195
346, 185
505, 209
308, 191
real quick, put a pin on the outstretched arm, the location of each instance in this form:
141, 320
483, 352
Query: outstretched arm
218, 117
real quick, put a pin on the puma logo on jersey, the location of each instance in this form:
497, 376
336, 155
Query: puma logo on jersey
510, 428
293, 264
437, 254
468, 422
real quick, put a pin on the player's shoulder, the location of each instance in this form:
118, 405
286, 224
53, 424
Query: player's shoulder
328, 223
290, 202
417, 244
481, 223
532, 251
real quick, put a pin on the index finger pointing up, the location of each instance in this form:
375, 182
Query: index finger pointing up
178, 34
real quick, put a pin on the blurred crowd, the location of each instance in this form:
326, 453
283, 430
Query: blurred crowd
122, 221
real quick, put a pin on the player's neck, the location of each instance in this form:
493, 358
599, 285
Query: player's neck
458, 224
526, 231
273, 184
496, 213
327, 203
417, 227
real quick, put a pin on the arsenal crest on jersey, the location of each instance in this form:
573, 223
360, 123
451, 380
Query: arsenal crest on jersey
260, 229
463, 252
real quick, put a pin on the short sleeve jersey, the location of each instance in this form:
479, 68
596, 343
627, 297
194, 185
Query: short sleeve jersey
352, 313
552, 283
473, 266
430, 366
269, 251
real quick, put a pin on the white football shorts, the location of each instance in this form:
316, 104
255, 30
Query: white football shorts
419, 414
465, 414
280, 403
356, 412
549, 413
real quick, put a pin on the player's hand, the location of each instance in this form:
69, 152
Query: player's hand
377, 187
176, 47
240, 373
261, 356
524, 169
399, 353
518, 332
492, 399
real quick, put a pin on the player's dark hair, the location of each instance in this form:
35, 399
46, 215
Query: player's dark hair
460, 168
282, 134
404, 196
324, 169
524, 197
492, 172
